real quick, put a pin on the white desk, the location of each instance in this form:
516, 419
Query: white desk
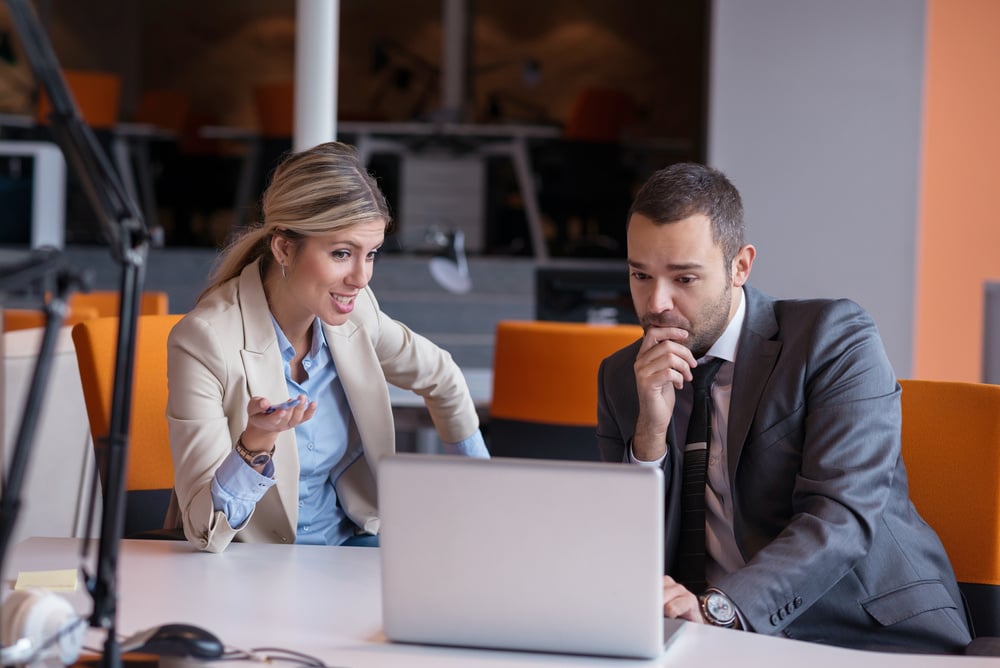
480, 380
410, 414
326, 601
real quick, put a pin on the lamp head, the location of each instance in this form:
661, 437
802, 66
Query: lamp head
449, 267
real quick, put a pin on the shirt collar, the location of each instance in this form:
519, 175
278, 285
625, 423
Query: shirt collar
288, 352
725, 346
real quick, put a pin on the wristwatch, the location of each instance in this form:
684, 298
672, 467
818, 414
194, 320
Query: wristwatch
255, 459
717, 609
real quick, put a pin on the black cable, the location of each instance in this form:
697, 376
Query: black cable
274, 655
259, 655
53, 639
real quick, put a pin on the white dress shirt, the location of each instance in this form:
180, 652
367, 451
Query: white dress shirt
720, 540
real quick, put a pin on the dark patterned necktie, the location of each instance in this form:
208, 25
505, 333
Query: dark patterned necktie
690, 566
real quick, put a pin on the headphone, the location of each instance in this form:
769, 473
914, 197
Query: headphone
34, 618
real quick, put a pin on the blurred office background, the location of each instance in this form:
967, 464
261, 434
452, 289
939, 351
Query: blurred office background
859, 133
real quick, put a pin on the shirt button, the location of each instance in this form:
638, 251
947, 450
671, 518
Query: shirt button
307, 363
311, 446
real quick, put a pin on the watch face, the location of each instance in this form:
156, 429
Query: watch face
719, 608
260, 460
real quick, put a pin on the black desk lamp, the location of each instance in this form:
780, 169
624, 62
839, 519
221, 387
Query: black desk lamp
123, 227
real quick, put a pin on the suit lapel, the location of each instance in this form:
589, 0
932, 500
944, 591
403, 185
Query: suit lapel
266, 378
756, 356
364, 384
261, 357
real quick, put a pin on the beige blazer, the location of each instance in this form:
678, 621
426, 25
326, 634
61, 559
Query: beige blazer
225, 351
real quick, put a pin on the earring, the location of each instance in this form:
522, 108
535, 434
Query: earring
282, 270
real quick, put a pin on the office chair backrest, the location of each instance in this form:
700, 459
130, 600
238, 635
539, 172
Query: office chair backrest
951, 447
600, 115
275, 109
97, 96
15, 319
545, 387
84, 306
106, 303
165, 108
150, 473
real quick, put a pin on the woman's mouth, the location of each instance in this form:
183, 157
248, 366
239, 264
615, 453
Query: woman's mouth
344, 304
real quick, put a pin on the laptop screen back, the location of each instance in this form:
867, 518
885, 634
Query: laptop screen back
522, 554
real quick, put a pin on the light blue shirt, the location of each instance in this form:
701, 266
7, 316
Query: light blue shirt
327, 445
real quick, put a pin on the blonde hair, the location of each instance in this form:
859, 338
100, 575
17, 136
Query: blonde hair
313, 192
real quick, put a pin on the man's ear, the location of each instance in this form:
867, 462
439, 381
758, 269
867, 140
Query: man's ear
742, 264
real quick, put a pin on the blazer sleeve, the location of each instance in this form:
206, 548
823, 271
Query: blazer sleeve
617, 404
200, 436
830, 450
412, 362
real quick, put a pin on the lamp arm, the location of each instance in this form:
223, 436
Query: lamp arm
123, 227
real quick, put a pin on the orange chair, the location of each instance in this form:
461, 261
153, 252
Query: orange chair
150, 473
106, 302
97, 96
951, 446
26, 318
165, 108
275, 104
545, 387
84, 306
600, 115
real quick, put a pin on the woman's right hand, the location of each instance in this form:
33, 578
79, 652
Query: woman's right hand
263, 426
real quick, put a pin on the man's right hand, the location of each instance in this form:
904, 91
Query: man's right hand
662, 366
679, 602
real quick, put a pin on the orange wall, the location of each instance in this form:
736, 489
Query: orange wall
959, 234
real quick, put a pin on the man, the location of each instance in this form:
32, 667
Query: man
808, 527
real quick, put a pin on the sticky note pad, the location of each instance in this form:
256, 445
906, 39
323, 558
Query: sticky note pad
62, 580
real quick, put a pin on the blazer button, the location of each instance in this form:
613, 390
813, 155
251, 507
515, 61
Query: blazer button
774, 620
781, 613
798, 601
789, 608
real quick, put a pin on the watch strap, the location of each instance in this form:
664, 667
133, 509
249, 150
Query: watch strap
251, 457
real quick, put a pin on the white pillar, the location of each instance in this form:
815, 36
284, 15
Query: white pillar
317, 26
454, 60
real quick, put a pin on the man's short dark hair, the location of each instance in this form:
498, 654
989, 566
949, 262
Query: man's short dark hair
685, 189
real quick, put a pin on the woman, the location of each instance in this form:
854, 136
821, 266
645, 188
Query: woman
289, 314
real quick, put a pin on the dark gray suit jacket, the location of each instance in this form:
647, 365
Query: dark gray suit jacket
835, 551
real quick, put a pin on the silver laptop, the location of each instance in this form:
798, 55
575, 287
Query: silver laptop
521, 554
